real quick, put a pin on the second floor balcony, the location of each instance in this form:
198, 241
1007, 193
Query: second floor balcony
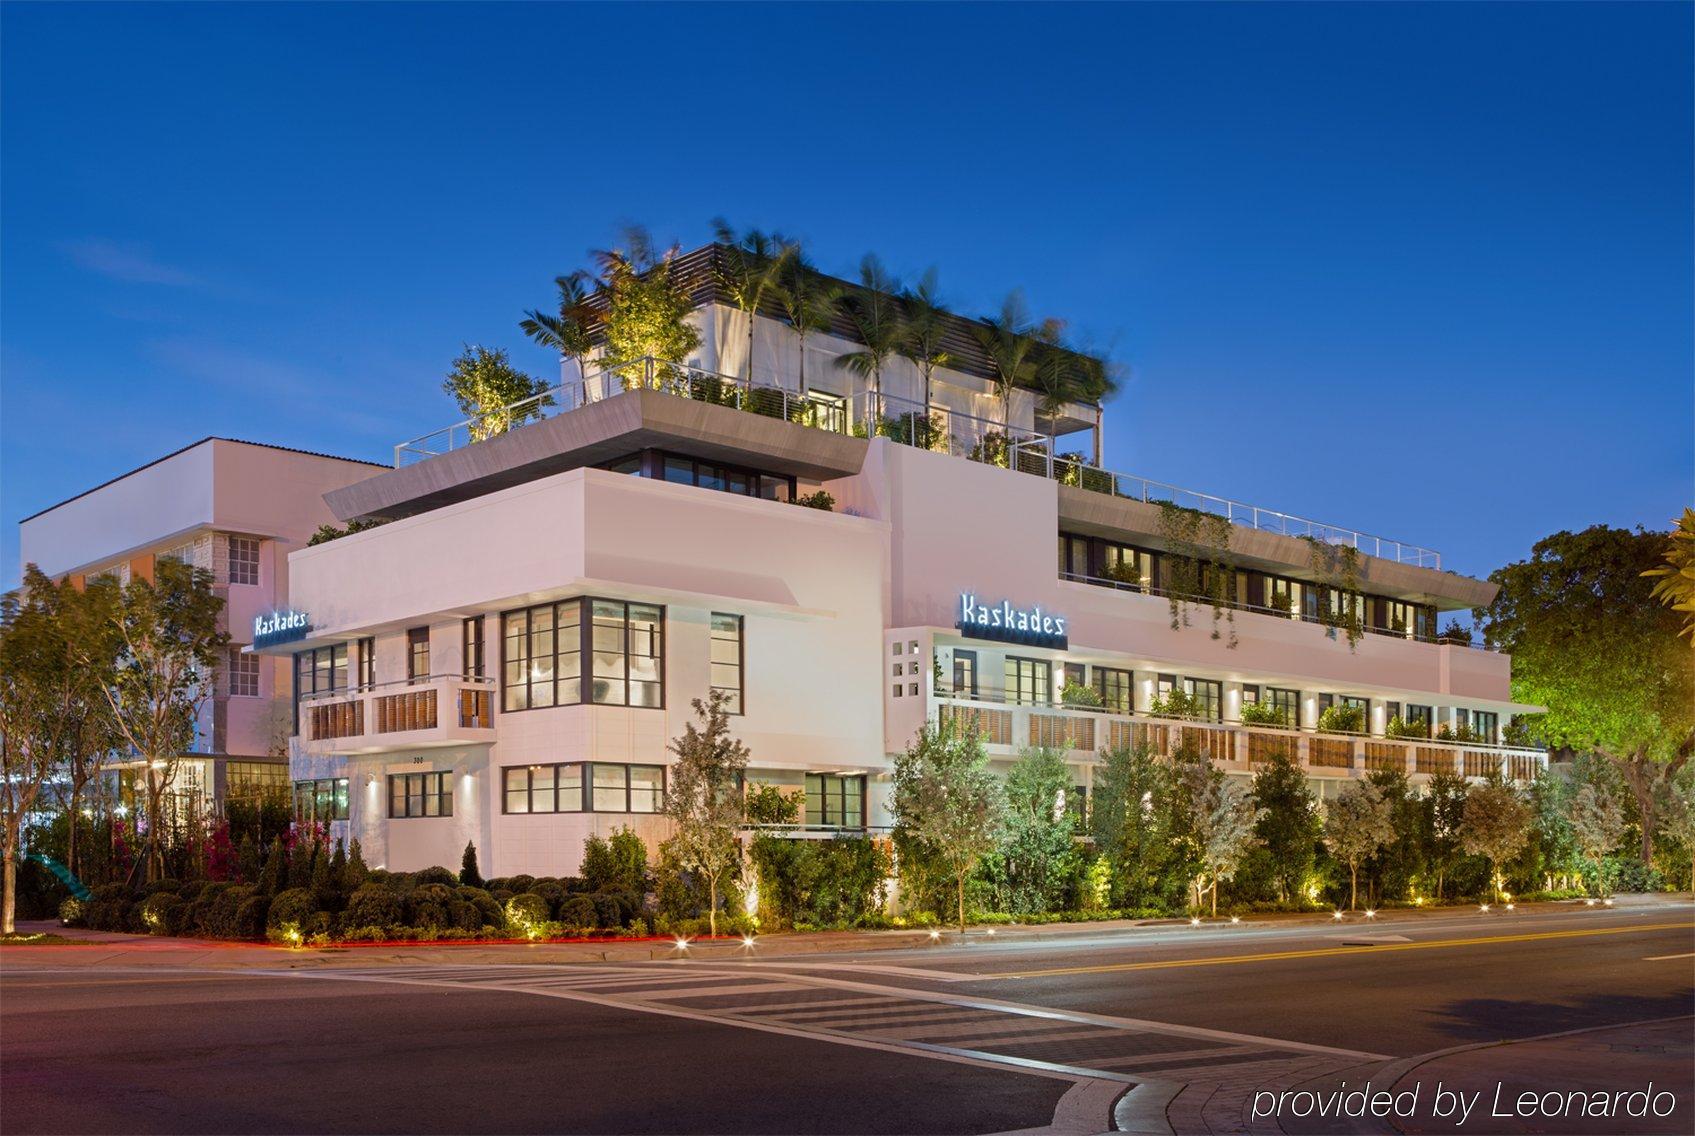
440, 710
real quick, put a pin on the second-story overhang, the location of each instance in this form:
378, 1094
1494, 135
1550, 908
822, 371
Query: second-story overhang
600, 432
1089, 513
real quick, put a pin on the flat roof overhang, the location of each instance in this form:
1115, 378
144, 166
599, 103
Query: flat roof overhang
1088, 513
599, 432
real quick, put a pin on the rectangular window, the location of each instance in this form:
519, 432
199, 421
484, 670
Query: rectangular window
834, 801
367, 663
1074, 674
322, 800
321, 670
244, 560
1284, 596
471, 646
628, 648
1164, 685
543, 789
1029, 681
544, 648
1250, 694
1209, 693
964, 672
1288, 701
420, 795
1116, 689
247, 779
726, 660
243, 674
417, 654
1486, 725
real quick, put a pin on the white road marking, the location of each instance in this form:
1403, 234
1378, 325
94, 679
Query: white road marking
1667, 958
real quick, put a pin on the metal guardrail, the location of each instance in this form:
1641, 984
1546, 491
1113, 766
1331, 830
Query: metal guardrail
873, 414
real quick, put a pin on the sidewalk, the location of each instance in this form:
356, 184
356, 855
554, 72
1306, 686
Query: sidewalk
153, 950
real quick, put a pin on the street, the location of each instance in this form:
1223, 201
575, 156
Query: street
1149, 1029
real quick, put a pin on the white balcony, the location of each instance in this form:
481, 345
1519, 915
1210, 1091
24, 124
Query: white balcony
1080, 734
441, 710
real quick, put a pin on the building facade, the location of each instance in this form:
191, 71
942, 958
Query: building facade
506, 658
236, 509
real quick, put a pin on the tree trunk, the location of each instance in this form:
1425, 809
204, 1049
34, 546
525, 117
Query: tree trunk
712, 905
8, 905
1215, 897
961, 882
71, 829
1353, 888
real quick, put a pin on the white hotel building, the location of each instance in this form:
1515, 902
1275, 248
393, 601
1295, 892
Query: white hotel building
506, 658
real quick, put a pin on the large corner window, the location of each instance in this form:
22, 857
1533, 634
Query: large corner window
834, 801
726, 659
544, 647
420, 795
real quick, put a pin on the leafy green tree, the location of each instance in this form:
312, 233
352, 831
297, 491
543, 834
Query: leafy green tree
1008, 341
155, 644
1288, 825
647, 307
1402, 860
1357, 822
1129, 819
1597, 826
946, 801
1444, 801
1553, 843
485, 384
1591, 643
1496, 825
1036, 858
571, 331
1219, 821
1680, 815
874, 311
750, 268
808, 300
702, 798
924, 323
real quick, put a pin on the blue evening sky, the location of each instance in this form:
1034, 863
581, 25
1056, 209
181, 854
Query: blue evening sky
1419, 270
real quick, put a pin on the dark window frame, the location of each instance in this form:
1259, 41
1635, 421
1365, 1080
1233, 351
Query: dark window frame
248, 563
651, 464
316, 788
740, 689
832, 789
584, 651
417, 652
473, 648
433, 783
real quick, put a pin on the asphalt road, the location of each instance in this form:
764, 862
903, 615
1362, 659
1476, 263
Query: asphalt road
989, 1034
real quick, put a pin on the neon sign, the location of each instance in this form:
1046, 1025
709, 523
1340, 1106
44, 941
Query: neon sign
280, 627
1031, 625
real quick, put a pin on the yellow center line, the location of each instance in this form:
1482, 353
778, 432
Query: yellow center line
1321, 952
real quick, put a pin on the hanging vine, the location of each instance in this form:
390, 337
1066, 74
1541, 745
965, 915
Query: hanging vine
1338, 567
1197, 565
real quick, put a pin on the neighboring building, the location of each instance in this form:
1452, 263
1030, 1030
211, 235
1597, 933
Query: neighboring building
505, 660
236, 509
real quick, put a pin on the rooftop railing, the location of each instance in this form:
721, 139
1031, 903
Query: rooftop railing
874, 414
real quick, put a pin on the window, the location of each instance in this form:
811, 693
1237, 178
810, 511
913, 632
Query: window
543, 789
1485, 724
244, 560
1288, 701
624, 788
321, 800
1074, 674
243, 671
1029, 680
1209, 694
367, 664
543, 656
471, 646
628, 648
834, 801
1421, 715
247, 779
321, 670
1115, 688
1164, 685
420, 795
681, 469
418, 654
726, 660
964, 672
1250, 694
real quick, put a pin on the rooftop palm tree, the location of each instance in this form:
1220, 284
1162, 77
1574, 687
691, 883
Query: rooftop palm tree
923, 330
1008, 341
571, 331
874, 311
808, 299
750, 271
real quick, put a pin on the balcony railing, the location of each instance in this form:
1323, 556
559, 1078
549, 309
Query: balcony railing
1273, 612
453, 706
873, 414
1084, 730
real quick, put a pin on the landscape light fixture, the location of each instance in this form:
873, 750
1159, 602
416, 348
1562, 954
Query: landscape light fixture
1483, 907
747, 940
1235, 919
1371, 913
934, 935
1195, 921
1337, 916
682, 944
1509, 907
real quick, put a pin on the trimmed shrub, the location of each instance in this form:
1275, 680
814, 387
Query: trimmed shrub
109, 908
158, 886
372, 905
463, 916
248, 920
551, 890
577, 911
434, 876
488, 911
71, 912
615, 909
291, 910
527, 912
426, 905
164, 913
